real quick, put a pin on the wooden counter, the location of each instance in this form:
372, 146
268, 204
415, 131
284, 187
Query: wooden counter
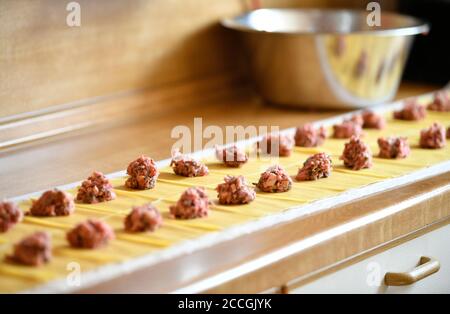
94, 97
233, 266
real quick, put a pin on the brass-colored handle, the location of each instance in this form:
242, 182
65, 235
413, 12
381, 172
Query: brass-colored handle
427, 266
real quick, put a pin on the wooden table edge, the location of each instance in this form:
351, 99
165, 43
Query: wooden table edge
211, 269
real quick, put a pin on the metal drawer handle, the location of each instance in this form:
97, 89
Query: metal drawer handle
427, 266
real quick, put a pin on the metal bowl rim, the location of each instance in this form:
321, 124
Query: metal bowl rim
420, 25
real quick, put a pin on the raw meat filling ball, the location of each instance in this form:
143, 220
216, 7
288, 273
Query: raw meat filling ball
441, 102
193, 203
90, 234
315, 167
393, 147
34, 250
143, 218
347, 129
235, 191
372, 120
143, 174
274, 180
231, 156
53, 203
276, 145
411, 111
356, 154
10, 214
308, 136
433, 137
356, 118
95, 189
186, 166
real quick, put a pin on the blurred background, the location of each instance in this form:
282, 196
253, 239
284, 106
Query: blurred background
428, 61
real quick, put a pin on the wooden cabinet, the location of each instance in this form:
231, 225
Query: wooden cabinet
367, 276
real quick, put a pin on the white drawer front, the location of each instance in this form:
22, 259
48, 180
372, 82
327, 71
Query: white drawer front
367, 276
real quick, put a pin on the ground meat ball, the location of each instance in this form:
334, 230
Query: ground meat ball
347, 129
90, 234
357, 118
33, 250
441, 102
357, 154
393, 147
372, 120
193, 203
10, 214
95, 189
143, 174
186, 166
285, 144
231, 156
411, 111
315, 167
448, 132
143, 218
235, 191
433, 137
308, 136
53, 203
274, 180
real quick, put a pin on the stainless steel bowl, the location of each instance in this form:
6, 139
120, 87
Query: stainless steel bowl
325, 58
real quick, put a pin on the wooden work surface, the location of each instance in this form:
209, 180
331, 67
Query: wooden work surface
71, 157
130, 87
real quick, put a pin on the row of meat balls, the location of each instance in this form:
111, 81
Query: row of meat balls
35, 249
194, 202
143, 173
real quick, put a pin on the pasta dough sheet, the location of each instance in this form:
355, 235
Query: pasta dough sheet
14, 278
